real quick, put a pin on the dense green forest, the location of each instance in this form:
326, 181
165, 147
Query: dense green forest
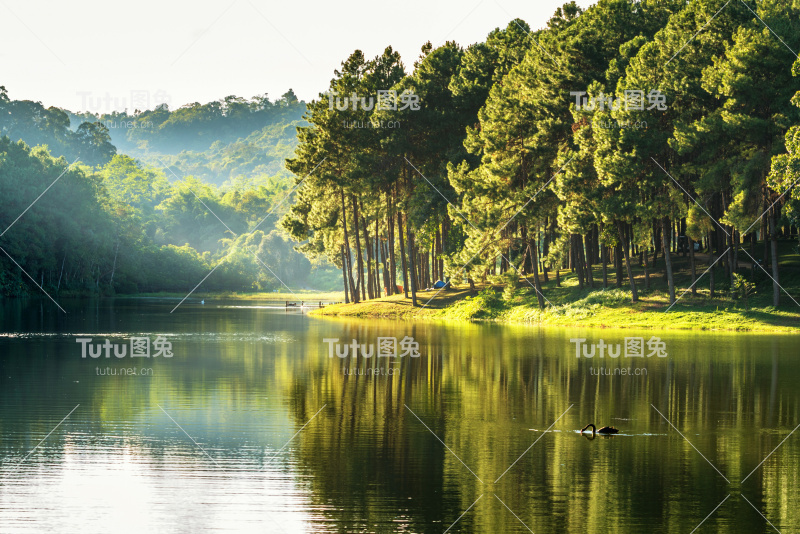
644, 142
110, 223
621, 136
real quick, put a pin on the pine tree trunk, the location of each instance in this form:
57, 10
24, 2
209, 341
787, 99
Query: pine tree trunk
353, 293
773, 241
412, 267
693, 265
535, 263
545, 250
577, 259
359, 255
344, 276
634, 292
587, 260
391, 246
712, 279
656, 244
369, 264
403, 254
665, 229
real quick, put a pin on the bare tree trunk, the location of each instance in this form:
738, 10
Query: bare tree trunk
693, 265
535, 265
392, 259
576, 261
773, 241
412, 267
353, 293
634, 292
403, 254
618, 262
359, 255
370, 264
587, 260
344, 276
665, 240
646, 266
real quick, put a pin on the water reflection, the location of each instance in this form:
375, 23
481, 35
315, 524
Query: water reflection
252, 426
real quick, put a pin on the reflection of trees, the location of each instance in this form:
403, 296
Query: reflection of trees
480, 388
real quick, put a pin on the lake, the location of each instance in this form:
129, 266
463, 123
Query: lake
251, 418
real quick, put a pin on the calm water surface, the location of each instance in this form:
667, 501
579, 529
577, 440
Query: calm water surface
252, 427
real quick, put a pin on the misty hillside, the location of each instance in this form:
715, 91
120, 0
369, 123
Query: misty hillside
216, 142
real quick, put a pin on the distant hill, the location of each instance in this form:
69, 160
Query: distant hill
218, 142
31, 122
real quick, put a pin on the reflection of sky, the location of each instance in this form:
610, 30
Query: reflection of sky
143, 484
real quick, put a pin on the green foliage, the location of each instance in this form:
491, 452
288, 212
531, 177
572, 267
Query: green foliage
743, 289
36, 125
484, 305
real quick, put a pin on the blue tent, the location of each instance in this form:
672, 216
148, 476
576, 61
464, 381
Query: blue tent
439, 284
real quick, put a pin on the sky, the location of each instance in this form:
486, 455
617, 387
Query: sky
99, 56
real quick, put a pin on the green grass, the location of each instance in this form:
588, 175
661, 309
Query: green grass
610, 308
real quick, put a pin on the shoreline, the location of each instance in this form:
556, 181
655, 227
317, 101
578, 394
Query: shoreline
610, 308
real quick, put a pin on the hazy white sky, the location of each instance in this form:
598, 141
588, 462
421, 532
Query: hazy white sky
101, 55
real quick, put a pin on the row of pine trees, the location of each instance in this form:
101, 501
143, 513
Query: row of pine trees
499, 170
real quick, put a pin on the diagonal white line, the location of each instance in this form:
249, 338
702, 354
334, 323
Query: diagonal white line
295, 435
499, 230
44, 438
463, 514
690, 196
534, 443
255, 255
198, 285
288, 194
771, 205
690, 443
200, 200
463, 19
33, 33
203, 33
712, 512
512, 513
32, 280
770, 29
234, 233
191, 438
553, 177
770, 276
529, 33
698, 279
37, 198
476, 229
770, 454
279, 32
759, 513
698, 31
445, 445
274, 520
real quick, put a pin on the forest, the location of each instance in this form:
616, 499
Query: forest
639, 144
637, 141
80, 218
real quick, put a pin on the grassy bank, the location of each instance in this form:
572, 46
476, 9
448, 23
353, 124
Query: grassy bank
568, 305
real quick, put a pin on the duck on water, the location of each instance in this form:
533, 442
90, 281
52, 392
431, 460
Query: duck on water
604, 430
